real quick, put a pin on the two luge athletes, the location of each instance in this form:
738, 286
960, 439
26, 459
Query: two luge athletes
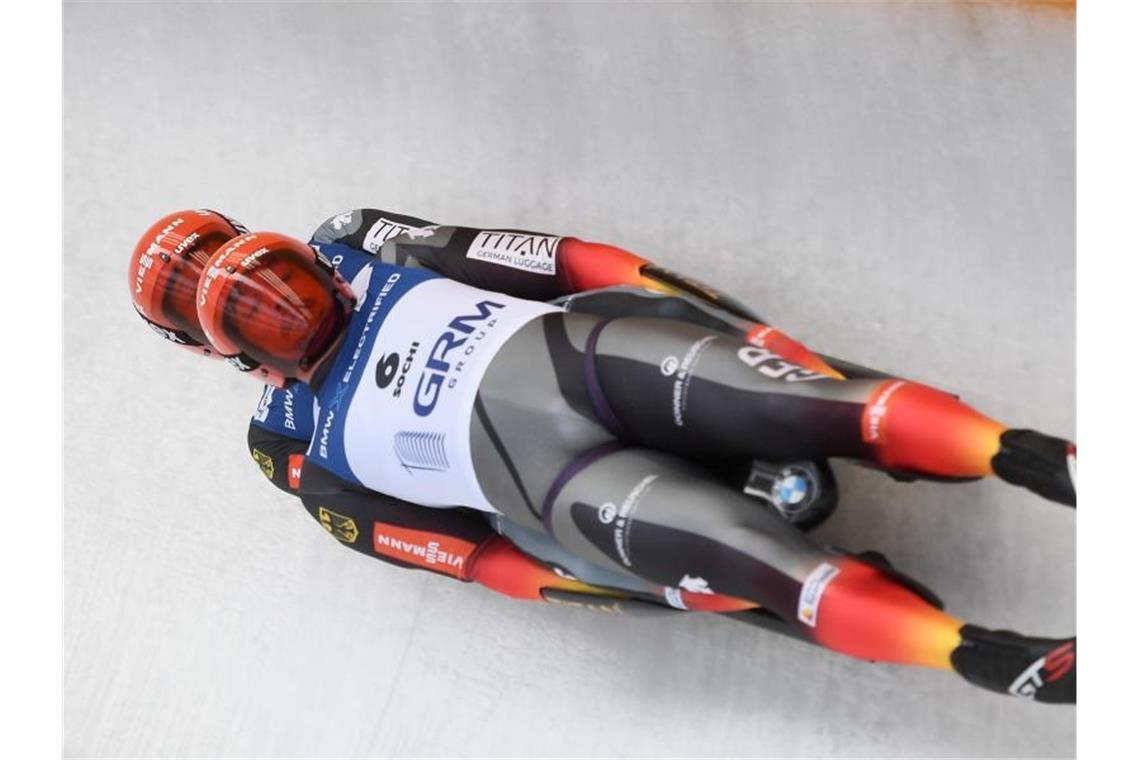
564, 420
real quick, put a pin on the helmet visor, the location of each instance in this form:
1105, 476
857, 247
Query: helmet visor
285, 311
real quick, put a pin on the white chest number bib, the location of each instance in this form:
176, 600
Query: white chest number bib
407, 431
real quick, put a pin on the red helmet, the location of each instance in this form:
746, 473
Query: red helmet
273, 306
166, 266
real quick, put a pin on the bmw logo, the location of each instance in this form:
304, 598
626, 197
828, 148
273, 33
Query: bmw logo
792, 490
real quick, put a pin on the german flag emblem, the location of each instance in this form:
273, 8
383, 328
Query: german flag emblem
265, 462
341, 527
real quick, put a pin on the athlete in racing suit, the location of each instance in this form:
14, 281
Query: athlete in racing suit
464, 543
621, 393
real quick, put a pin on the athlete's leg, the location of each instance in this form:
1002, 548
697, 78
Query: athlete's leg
694, 391
665, 520
596, 265
667, 303
534, 413
804, 492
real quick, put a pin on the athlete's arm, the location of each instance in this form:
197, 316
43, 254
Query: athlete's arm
458, 543
455, 542
366, 229
542, 267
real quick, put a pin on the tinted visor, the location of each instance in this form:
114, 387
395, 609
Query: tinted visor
179, 286
284, 312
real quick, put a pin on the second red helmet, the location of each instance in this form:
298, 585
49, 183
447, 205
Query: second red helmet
165, 268
273, 306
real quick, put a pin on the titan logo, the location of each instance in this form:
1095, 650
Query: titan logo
518, 250
381, 232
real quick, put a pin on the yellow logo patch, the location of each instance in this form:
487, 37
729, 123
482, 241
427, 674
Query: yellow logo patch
343, 528
265, 462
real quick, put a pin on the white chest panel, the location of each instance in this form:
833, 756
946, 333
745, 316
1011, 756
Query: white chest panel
407, 431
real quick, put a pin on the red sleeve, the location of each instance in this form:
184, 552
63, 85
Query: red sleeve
540, 267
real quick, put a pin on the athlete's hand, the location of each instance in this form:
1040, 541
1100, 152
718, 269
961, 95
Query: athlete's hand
501, 566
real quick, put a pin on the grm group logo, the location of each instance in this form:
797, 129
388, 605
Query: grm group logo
439, 361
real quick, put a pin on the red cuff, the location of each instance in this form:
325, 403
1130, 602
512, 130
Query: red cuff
501, 566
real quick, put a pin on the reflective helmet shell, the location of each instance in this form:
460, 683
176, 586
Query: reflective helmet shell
165, 268
273, 306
